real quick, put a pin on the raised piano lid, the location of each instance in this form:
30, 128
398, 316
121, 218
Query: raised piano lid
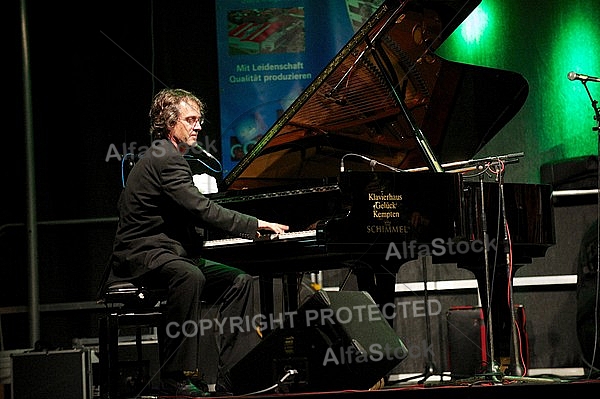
384, 86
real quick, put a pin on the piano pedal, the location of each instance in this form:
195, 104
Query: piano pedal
259, 332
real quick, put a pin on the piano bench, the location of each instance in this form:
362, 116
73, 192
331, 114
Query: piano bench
127, 305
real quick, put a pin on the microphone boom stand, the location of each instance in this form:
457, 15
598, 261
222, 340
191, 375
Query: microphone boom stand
429, 363
597, 130
488, 289
517, 369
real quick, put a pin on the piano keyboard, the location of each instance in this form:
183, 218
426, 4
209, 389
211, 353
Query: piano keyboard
294, 235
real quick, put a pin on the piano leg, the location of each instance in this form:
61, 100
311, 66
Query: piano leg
290, 290
379, 280
289, 298
267, 301
497, 308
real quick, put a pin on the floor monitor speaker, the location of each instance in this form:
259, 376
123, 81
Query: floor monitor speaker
334, 341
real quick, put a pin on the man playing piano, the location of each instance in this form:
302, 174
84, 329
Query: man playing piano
158, 242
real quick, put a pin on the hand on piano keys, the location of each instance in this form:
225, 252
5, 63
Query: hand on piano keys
276, 228
294, 235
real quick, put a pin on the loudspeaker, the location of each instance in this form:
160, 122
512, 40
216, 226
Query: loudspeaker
334, 341
587, 298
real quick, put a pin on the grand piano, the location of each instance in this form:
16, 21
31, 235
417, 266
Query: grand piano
379, 149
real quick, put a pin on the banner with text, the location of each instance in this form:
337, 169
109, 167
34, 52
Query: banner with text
269, 52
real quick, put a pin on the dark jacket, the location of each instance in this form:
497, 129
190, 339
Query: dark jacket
160, 211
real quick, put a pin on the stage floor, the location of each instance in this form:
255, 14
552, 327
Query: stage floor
475, 388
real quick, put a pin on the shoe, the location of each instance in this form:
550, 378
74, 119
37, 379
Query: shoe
223, 387
197, 379
221, 390
182, 387
378, 385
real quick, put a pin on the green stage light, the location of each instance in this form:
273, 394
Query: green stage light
473, 27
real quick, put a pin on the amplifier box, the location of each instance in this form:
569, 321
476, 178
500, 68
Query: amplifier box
65, 374
571, 174
466, 341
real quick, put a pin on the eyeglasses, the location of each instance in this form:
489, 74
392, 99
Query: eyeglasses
192, 120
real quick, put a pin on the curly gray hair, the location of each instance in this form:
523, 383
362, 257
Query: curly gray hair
164, 111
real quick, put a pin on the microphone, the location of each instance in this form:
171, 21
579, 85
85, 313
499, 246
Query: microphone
192, 152
584, 78
372, 162
204, 152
